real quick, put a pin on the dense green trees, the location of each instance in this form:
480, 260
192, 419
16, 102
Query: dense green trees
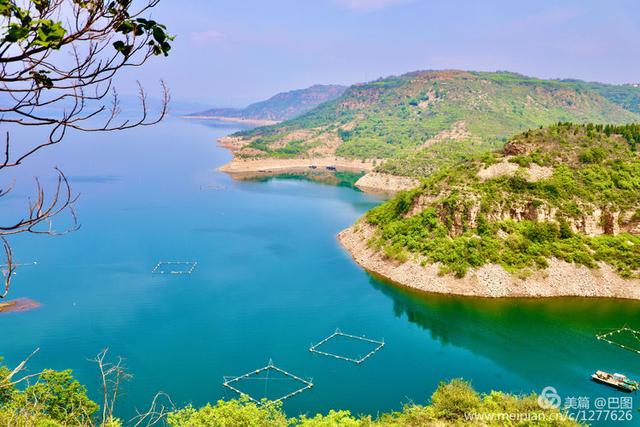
56, 399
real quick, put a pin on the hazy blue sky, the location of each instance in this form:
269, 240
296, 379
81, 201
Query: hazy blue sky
238, 51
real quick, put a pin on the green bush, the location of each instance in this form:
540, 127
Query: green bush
453, 403
232, 413
593, 155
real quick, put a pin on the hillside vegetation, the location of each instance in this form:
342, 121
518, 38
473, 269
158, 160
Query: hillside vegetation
56, 399
424, 119
283, 106
452, 404
567, 191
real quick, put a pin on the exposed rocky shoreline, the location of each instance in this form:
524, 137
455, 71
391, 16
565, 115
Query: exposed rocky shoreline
253, 167
492, 281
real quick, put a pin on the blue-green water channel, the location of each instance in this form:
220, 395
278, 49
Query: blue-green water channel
271, 280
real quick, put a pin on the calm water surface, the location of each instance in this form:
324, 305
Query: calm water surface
271, 279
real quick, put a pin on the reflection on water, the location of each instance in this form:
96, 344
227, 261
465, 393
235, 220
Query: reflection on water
328, 177
545, 340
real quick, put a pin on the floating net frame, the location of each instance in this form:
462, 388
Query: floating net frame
4, 267
339, 333
607, 337
20, 264
159, 268
213, 187
230, 381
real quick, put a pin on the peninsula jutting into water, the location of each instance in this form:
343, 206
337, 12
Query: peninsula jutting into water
524, 220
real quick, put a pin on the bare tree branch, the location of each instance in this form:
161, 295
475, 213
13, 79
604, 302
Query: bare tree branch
156, 413
8, 380
112, 374
58, 60
8, 269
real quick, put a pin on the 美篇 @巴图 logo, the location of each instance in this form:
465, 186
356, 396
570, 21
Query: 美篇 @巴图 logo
549, 398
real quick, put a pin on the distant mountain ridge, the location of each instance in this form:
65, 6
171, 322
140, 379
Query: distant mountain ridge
280, 107
422, 117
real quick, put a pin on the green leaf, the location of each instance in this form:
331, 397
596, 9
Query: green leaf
16, 33
159, 35
49, 34
125, 27
6, 8
122, 47
41, 5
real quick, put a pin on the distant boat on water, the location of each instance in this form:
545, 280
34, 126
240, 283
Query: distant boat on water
618, 381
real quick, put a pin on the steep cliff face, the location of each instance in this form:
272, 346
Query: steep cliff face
463, 215
460, 206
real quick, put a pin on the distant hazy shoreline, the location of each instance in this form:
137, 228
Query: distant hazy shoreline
257, 122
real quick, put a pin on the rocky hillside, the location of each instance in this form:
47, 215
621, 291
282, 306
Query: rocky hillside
628, 95
426, 118
283, 106
567, 192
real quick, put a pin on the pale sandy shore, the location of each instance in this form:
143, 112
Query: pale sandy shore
257, 122
371, 182
251, 167
246, 168
559, 279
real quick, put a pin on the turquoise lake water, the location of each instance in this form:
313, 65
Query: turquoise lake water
271, 280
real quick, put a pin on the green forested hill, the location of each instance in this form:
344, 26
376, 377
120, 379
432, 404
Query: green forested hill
568, 191
398, 117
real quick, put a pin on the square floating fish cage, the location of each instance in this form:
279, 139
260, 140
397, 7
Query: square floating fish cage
263, 376
19, 264
373, 347
174, 267
213, 187
4, 268
625, 337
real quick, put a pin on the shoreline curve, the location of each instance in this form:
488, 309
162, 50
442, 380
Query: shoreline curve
560, 279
